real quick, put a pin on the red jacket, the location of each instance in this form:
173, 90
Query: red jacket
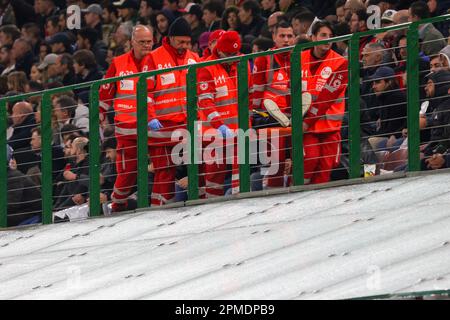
326, 80
122, 95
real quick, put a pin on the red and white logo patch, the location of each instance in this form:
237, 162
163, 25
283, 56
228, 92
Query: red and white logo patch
203, 86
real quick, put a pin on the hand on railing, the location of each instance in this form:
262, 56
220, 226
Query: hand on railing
225, 131
155, 125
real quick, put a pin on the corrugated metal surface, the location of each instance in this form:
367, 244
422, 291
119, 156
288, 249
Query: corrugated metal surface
345, 242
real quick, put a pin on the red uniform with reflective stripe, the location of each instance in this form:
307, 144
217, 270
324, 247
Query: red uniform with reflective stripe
123, 93
272, 81
218, 102
330, 73
169, 107
326, 80
123, 97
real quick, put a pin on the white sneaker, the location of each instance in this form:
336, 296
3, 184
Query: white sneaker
273, 109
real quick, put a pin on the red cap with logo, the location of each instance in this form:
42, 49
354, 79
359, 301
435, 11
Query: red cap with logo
229, 42
215, 35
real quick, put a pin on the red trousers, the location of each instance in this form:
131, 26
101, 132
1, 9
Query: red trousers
322, 153
126, 166
165, 173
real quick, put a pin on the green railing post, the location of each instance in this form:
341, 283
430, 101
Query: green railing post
94, 152
412, 84
297, 118
354, 124
192, 141
3, 166
243, 138
46, 166
142, 143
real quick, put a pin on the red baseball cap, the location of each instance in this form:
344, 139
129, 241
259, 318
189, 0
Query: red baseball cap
215, 35
229, 42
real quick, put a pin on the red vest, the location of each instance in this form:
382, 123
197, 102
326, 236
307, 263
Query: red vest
278, 85
226, 96
125, 98
314, 83
170, 91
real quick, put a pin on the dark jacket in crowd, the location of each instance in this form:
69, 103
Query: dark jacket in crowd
27, 158
25, 63
100, 50
392, 105
24, 198
254, 28
93, 75
22, 133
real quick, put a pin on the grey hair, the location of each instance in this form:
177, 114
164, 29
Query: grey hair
127, 29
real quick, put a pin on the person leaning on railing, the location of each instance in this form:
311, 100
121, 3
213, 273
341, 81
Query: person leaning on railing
122, 97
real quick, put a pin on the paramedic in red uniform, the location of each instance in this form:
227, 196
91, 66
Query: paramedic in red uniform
168, 110
324, 76
217, 87
122, 96
271, 80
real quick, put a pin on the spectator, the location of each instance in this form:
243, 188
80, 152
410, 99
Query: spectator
87, 38
230, 19
193, 16
24, 197
251, 20
444, 55
68, 111
110, 20
261, 44
438, 119
172, 5
432, 40
93, 18
372, 58
340, 12
122, 36
23, 121
52, 26
271, 22
341, 47
17, 81
35, 73
147, 7
108, 169
6, 60
391, 104
85, 68
351, 6
31, 156
74, 190
32, 33
8, 34
301, 23
64, 66
44, 9
60, 43
23, 55
162, 20
49, 69
212, 14
292, 7
127, 10
268, 7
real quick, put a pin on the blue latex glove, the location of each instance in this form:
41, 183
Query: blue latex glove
225, 131
155, 125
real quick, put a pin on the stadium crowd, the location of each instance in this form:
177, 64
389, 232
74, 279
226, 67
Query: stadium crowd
39, 50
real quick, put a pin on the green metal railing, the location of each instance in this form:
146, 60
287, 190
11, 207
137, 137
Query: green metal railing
243, 100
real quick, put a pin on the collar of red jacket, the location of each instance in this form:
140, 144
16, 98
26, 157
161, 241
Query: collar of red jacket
174, 52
